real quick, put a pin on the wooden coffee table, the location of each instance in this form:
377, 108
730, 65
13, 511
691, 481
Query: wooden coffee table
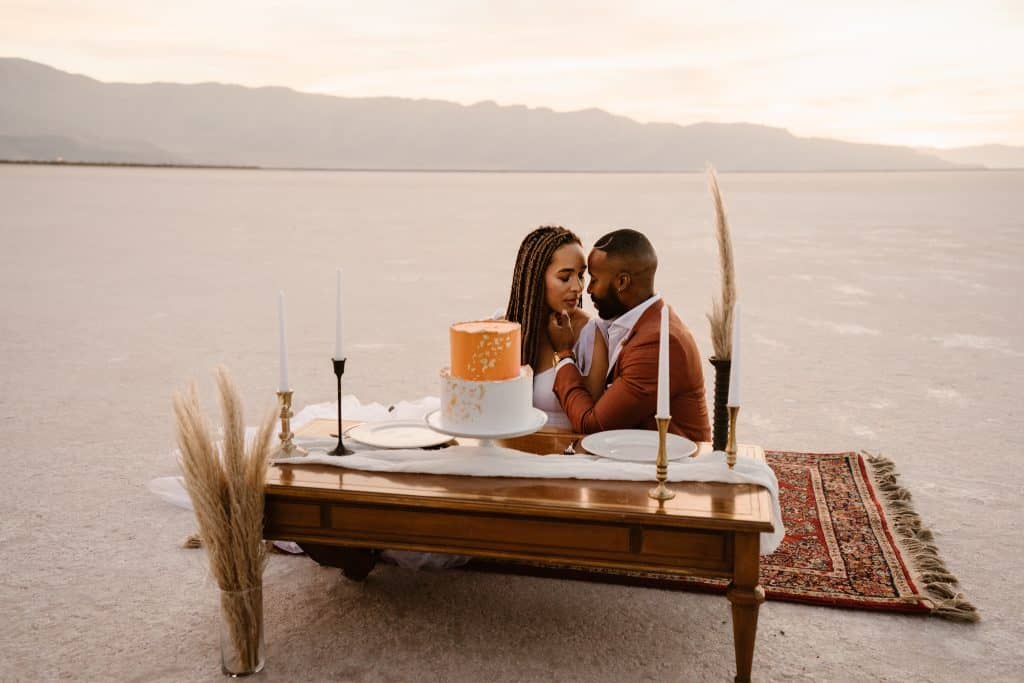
709, 529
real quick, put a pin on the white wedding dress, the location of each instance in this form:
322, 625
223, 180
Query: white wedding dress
544, 382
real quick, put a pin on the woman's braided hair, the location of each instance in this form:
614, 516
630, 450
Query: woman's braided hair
526, 304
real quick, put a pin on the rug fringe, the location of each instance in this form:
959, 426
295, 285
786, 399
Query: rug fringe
938, 584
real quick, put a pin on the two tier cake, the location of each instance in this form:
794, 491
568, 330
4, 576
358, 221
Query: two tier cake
486, 390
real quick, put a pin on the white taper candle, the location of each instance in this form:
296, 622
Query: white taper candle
284, 343
663, 369
339, 351
734, 371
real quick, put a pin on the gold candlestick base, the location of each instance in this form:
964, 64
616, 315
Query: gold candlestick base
287, 447
730, 444
661, 492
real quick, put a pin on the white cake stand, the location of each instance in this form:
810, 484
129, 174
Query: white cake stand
538, 418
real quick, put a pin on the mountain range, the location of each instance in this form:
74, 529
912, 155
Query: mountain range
47, 114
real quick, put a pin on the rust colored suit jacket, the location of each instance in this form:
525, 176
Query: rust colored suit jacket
631, 399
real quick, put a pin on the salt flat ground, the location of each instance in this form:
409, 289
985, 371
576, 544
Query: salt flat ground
882, 312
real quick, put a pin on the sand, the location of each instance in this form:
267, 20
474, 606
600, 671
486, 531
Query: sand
884, 314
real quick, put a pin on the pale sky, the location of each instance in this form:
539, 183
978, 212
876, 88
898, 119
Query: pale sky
933, 73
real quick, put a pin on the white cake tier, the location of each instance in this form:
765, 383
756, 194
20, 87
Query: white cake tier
487, 407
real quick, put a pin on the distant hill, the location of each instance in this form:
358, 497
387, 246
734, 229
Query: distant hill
988, 156
63, 148
46, 113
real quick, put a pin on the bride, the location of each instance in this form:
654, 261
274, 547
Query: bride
548, 279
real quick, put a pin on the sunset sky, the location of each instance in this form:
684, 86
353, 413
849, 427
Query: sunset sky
934, 73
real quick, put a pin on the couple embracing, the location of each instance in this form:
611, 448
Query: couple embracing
597, 374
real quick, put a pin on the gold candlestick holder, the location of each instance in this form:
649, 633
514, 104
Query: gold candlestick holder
661, 492
730, 444
287, 448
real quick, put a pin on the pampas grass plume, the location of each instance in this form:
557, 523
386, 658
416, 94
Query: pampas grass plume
722, 305
225, 481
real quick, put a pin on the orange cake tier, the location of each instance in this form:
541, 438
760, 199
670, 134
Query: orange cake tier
486, 350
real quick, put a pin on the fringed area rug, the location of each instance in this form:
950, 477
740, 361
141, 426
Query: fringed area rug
852, 540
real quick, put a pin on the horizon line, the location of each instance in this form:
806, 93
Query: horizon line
315, 169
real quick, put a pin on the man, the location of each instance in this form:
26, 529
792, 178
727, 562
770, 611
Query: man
622, 266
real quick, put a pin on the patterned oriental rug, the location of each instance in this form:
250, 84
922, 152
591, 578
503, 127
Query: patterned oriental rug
852, 540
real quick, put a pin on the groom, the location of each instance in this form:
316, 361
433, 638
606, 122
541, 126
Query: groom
622, 266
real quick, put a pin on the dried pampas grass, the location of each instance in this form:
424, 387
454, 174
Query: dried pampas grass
720, 316
225, 481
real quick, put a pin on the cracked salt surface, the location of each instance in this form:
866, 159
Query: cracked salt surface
978, 342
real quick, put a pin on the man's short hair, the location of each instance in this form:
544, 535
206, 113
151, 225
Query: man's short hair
629, 245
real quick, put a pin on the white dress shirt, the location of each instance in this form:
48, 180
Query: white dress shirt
616, 330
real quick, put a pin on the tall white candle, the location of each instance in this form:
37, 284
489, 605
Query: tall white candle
339, 351
284, 343
663, 374
734, 371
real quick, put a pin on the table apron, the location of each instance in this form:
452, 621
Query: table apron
586, 542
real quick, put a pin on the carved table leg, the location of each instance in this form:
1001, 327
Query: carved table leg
358, 563
746, 597
355, 563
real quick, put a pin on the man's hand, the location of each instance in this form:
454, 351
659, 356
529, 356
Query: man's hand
560, 331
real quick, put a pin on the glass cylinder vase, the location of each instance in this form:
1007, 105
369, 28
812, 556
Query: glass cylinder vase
241, 631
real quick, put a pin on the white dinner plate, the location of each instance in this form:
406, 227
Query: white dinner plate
637, 445
397, 434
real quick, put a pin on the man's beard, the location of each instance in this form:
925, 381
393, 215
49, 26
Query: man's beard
610, 306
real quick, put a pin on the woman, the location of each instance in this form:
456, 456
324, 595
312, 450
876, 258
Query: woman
548, 278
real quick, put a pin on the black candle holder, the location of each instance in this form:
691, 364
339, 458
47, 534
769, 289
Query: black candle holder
341, 448
720, 430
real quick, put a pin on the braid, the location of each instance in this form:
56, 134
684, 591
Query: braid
526, 304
